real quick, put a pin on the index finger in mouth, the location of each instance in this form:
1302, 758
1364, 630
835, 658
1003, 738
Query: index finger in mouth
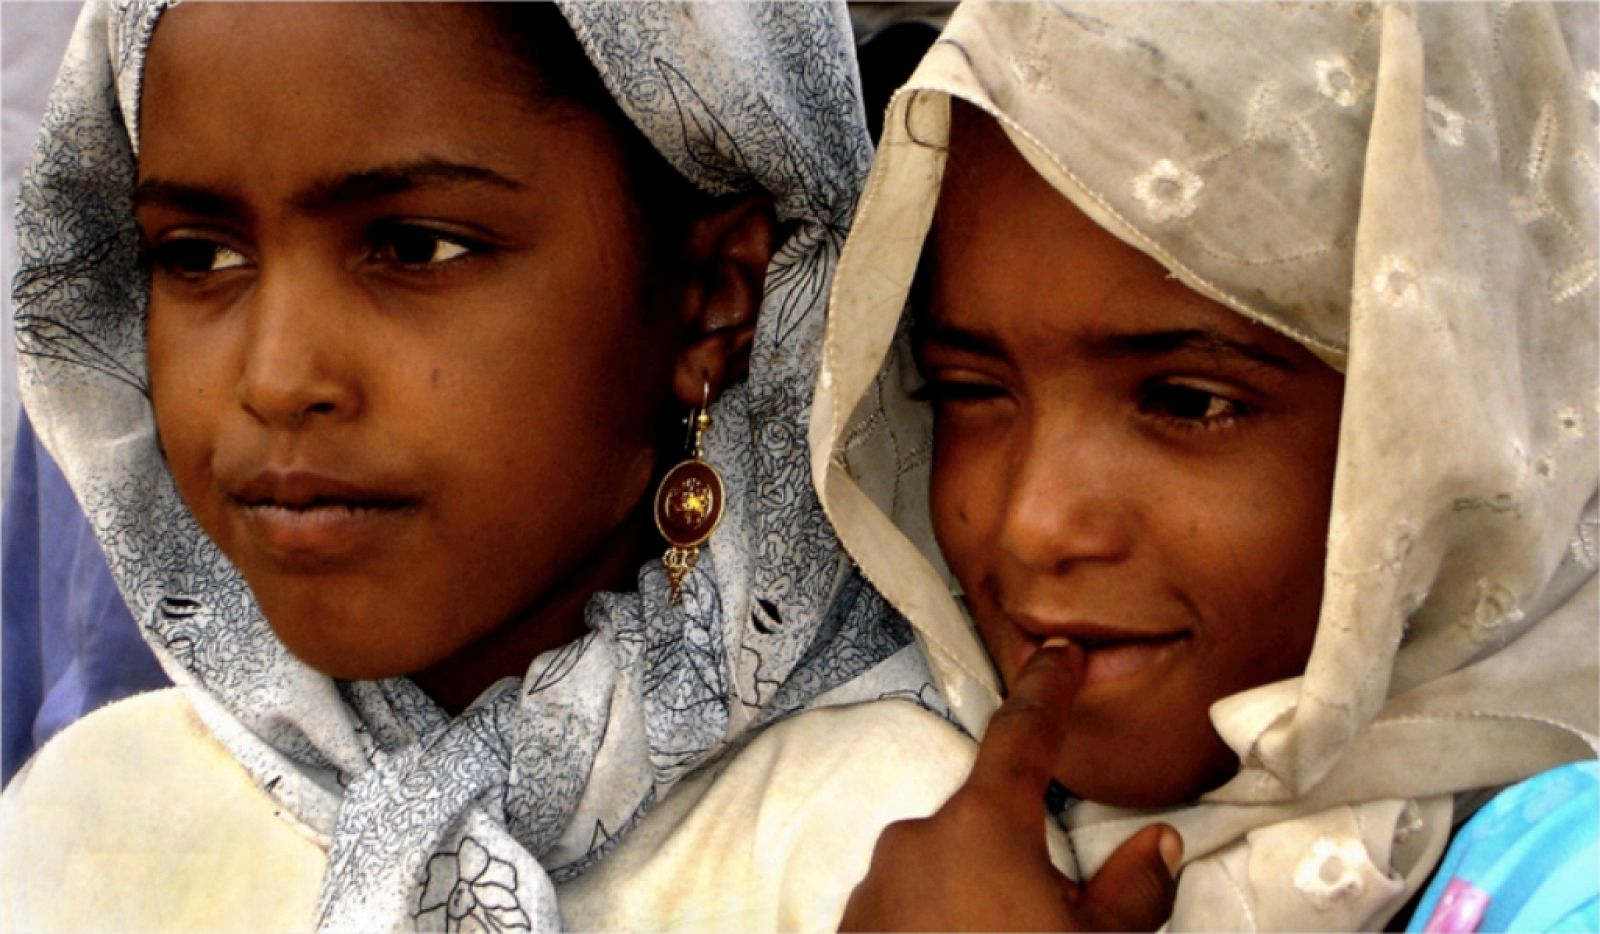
1023, 740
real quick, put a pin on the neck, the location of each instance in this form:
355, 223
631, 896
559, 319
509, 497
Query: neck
554, 621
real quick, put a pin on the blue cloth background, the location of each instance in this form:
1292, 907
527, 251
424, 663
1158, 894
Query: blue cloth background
67, 641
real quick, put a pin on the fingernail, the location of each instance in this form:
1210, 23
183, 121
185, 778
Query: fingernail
1056, 642
1171, 846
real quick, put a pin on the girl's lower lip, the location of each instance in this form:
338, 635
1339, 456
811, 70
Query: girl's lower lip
319, 534
1117, 661
1122, 660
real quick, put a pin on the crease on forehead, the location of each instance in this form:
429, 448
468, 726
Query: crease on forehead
981, 153
1024, 93
1106, 217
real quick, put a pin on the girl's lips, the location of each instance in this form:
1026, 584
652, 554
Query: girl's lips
296, 489
309, 521
1107, 660
1120, 660
320, 533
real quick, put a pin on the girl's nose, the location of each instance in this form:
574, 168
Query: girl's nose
299, 354
1067, 501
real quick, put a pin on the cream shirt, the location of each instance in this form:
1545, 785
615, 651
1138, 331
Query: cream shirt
135, 819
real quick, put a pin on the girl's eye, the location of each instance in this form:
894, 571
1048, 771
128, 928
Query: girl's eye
947, 391
194, 257
419, 247
1182, 403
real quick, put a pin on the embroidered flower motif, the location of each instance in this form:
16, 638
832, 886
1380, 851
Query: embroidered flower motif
1446, 125
1331, 872
1168, 191
470, 890
1337, 80
1396, 284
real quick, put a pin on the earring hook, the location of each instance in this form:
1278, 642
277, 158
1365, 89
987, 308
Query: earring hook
702, 419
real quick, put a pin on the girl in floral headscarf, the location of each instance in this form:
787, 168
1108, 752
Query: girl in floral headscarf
1261, 351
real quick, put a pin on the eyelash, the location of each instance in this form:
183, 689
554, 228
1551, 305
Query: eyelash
193, 257
183, 257
1172, 404
1158, 400
385, 236
956, 391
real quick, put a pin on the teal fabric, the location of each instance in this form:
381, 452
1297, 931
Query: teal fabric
1533, 852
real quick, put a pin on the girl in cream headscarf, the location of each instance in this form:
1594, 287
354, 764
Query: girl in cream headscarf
1262, 350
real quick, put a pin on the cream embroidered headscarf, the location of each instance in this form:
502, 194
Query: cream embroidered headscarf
1408, 191
434, 821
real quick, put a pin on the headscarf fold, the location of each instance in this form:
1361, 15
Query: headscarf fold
436, 821
1409, 191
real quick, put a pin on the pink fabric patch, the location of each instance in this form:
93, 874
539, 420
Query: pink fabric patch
1460, 908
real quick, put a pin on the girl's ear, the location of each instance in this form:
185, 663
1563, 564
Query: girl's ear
726, 254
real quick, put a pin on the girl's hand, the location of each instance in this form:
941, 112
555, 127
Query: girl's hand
980, 862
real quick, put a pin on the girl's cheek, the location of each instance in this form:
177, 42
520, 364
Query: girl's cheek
958, 477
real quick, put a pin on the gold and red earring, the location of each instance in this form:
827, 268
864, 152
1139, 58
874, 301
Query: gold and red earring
688, 504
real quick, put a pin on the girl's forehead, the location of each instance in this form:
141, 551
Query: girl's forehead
286, 97
393, 42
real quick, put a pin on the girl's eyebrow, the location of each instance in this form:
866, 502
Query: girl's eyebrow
383, 181
1142, 344
192, 199
1202, 340
329, 195
951, 337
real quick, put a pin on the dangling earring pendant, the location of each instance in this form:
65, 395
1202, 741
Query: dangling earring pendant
688, 505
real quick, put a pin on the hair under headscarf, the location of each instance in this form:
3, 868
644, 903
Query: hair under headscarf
543, 775
1408, 191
